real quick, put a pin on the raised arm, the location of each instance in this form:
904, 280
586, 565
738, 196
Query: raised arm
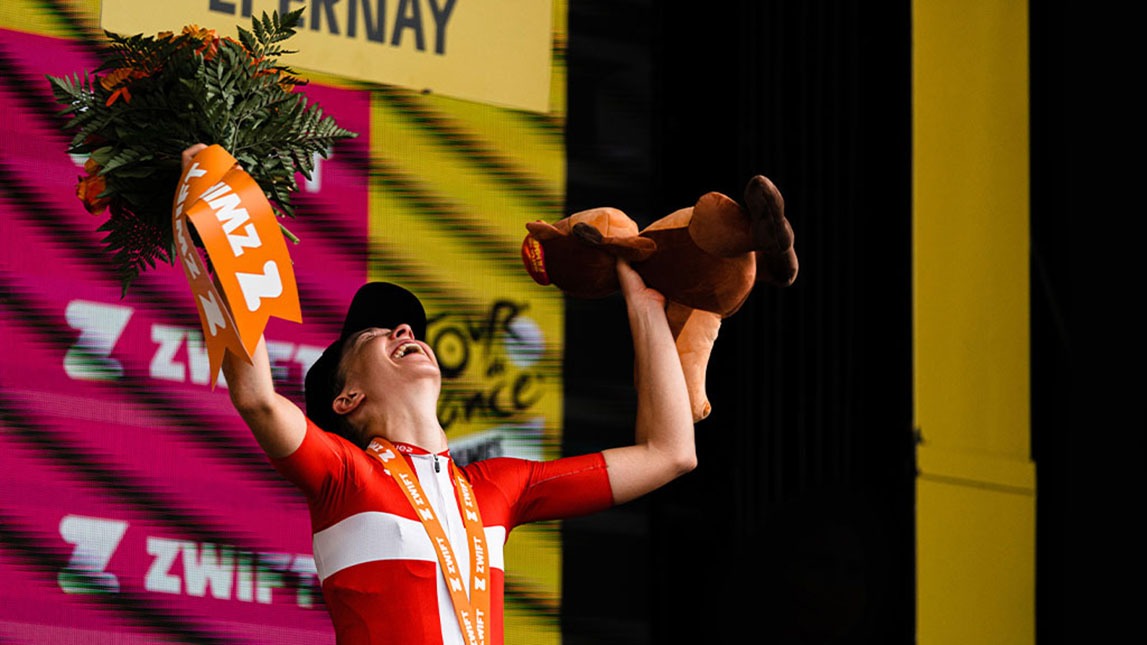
277, 423
663, 447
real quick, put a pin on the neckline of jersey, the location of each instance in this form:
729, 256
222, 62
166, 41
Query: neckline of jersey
416, 451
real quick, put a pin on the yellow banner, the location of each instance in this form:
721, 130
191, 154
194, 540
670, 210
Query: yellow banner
493, 51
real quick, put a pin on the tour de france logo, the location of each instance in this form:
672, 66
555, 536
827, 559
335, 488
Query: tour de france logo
494, 365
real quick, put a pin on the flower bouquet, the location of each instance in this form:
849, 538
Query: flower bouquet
153, 96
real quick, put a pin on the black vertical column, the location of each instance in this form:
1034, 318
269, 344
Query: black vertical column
798, 523
610, 161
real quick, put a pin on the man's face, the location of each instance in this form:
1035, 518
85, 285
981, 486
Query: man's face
388, 362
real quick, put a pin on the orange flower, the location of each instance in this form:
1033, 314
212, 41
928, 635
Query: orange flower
123, 91
198, 33
89, 188
115, 77
207, 37
209, 48
120, 77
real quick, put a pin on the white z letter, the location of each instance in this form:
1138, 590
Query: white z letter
163, 363
100, 327
158, 578
95, 541
250, 240
256, 287
211, 310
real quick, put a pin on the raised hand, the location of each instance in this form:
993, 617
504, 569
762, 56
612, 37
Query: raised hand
638, 296
189, 153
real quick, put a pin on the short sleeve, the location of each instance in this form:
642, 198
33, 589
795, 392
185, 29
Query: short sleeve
548, 490
318, 467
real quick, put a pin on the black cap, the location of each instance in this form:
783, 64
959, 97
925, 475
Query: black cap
377, 304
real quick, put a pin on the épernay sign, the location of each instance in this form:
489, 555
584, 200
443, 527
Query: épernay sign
493, 51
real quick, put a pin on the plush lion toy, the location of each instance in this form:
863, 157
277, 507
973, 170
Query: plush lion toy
704, 259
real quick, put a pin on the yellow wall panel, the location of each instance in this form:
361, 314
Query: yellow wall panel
976, 491
970, 111
975, 565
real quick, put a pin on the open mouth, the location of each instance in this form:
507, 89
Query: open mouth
406, 349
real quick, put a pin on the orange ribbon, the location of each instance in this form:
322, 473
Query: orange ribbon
247, 250
474, 612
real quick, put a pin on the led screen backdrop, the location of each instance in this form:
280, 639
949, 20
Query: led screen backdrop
134, 505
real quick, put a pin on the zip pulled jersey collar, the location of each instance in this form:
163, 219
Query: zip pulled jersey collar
411, 451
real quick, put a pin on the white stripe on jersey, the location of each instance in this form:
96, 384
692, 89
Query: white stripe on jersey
370, 536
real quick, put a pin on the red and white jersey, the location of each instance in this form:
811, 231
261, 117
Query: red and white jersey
379, 571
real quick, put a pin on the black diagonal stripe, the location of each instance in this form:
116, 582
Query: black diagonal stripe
33, 550
384, 175
380, 172
355, 156
550, 125
34, 95
38, 103
539, 604
42, 215
31, 208
78, 23
472, 148
411, 274
558, 48
205, 431
48, 325
339, 236
21, 425
333, 233
393, 268
553, 127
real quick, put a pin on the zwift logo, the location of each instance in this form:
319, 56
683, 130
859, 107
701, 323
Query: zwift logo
178, 566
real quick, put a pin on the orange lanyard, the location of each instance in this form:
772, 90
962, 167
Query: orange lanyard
473, 613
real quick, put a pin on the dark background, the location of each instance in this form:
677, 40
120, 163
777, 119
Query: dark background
797, 525
1087, 342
